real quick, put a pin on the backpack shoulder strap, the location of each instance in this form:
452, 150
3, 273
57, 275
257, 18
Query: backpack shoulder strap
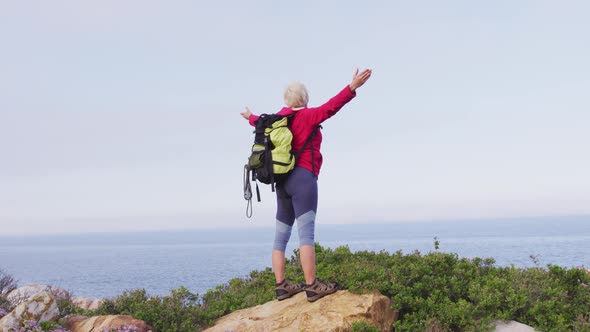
308, 141
263, 122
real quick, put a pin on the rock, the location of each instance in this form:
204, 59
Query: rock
23, 293
85, 303
512, 326
40, 308
100, 323
73, 320
335, 312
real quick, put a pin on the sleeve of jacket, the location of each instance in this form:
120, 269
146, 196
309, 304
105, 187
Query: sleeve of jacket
253, 118
332, 106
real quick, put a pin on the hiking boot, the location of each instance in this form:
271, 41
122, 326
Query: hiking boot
285, 290
319, 289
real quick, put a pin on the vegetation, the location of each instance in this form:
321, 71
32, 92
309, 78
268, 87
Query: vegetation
179, 311
442, 292
432, 292
363, 326
7, 285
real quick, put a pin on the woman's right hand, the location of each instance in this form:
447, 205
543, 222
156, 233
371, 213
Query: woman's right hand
246, 114
359, 79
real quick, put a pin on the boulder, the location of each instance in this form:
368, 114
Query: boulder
85, 303
512, 326
335, 312
23, 293
40, 308
101, 323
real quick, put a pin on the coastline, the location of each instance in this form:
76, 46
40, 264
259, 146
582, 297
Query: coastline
104, 265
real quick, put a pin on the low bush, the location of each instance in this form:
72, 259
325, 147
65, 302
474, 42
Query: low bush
432, 292
7, 285
179, 311
363, 326
442, 292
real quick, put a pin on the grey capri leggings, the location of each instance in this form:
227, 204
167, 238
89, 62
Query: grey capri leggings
297, 198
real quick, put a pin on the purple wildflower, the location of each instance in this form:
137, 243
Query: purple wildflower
29, 326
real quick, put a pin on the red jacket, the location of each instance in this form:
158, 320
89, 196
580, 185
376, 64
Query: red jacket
303, 124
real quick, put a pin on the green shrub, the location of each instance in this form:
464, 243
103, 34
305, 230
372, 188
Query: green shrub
434, 292
179, 311
48, 326
7, 285
67, 308
185, 311
363, 326
239, 294
442, 292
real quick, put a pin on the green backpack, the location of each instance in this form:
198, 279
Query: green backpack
272, 158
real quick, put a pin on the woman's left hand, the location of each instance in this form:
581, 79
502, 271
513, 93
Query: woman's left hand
246, 114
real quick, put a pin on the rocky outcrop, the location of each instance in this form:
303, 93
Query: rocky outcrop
23, 293
101, 323
335, 313
512, 326
85, 303
40, 307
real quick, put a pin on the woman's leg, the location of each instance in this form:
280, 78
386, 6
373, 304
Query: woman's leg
284, 223
308, 262
278, 265
304, 196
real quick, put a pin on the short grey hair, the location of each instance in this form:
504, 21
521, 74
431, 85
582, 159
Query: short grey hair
296, 95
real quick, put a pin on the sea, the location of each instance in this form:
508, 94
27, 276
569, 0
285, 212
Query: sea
103, 265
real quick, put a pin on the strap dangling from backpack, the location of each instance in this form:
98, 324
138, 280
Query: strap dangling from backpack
257, 192
248, 191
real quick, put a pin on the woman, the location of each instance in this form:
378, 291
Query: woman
297, 196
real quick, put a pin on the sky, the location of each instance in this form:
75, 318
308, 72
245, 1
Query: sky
124, 115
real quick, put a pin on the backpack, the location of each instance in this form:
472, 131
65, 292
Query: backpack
272, 159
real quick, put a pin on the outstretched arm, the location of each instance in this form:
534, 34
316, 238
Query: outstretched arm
332, 106
249, 116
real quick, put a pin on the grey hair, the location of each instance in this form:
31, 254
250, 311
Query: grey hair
296, 95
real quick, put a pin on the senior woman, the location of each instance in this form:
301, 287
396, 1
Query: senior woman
297, 196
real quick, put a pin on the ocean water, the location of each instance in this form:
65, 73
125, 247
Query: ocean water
105, 264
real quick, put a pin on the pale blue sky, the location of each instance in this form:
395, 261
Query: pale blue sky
124, 115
